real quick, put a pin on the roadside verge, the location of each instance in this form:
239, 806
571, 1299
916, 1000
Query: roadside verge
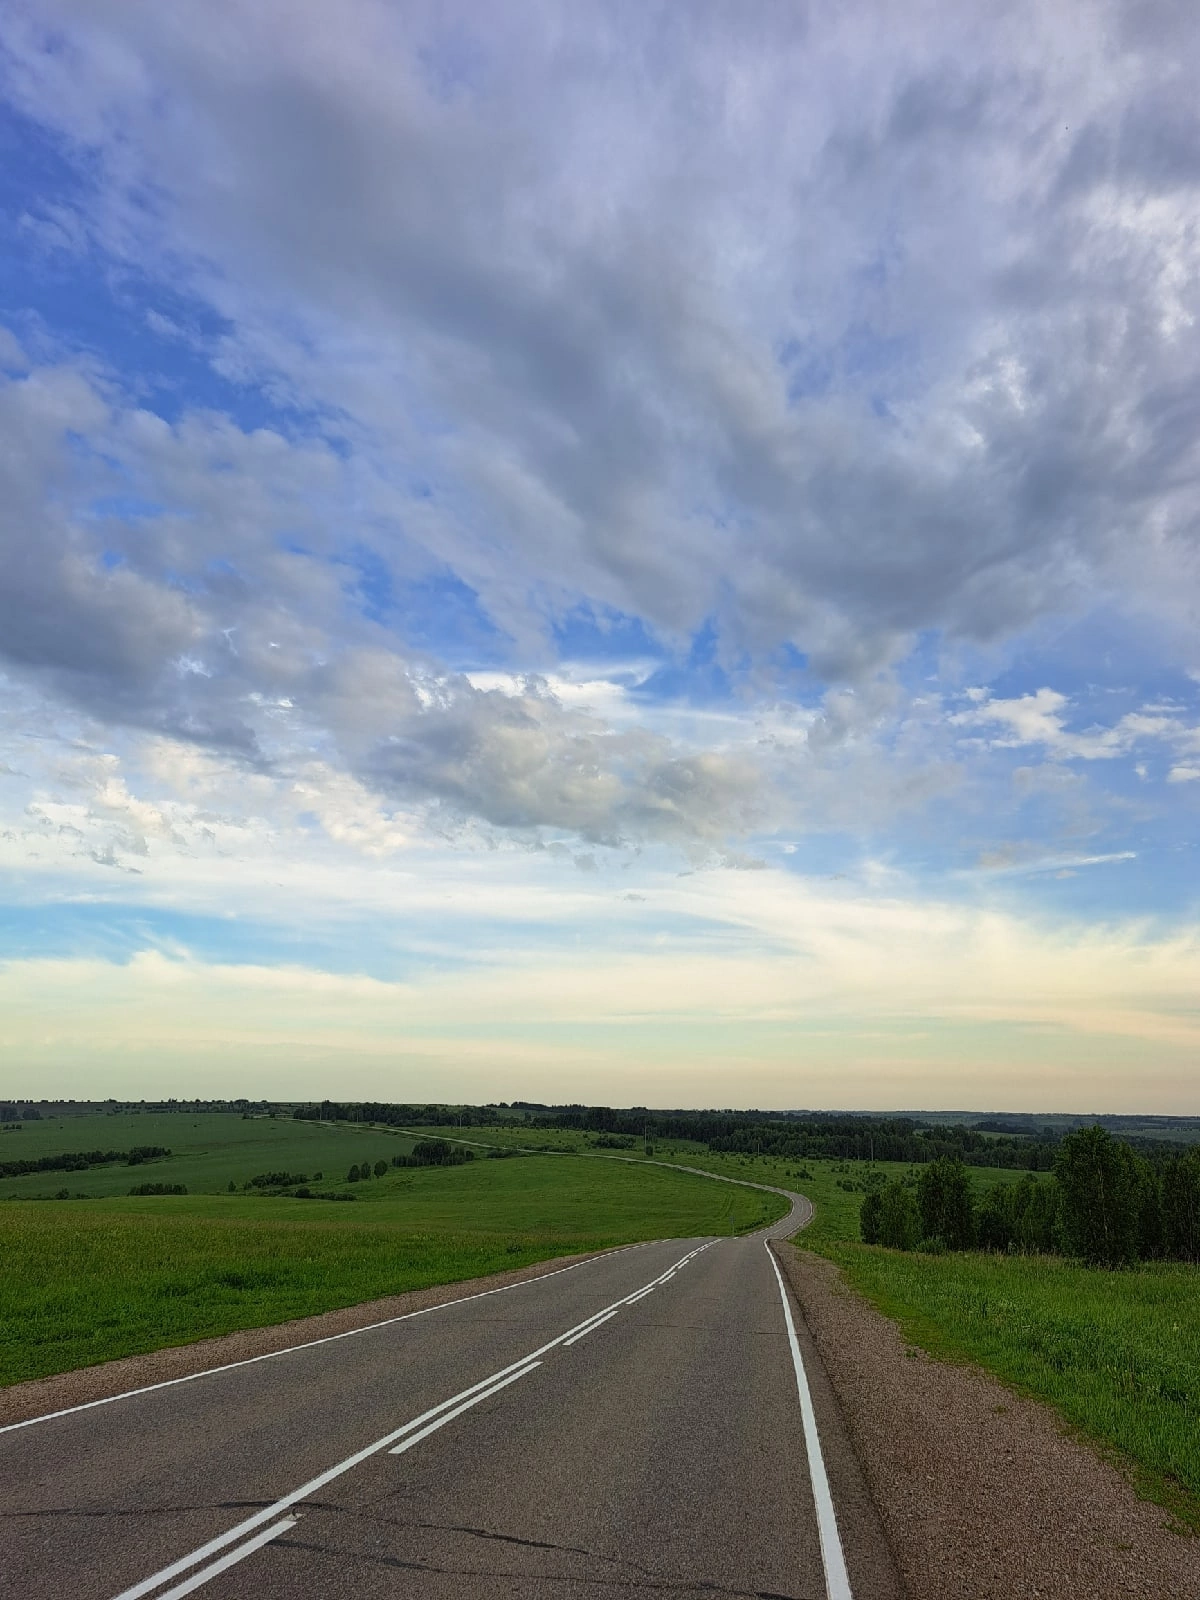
981, 1493
87, 1385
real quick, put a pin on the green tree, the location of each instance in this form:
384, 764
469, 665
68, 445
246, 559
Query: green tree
1181, 1206
380, 1168
899, 1219
997, 1219
945, 1202
1037, 1224
353, 1175
1099, 1214
868, 1217
1148, 1193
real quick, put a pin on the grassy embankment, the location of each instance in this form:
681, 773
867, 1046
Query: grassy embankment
85, 1281
1117, 1354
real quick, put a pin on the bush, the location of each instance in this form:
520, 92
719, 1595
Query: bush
380, 1168
157, 1188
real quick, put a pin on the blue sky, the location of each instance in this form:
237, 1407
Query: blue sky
610, 554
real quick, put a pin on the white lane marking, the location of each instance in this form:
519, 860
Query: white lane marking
837, 1580
643, 1292
309, 1344
319, 1482
449, 1416
591, 1328
229, 1560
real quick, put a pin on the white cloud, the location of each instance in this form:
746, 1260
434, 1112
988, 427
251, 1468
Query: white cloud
1040, 719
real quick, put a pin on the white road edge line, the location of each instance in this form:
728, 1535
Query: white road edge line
229, 1560
449, 1416
837, 1580
256, 1521
309, 1344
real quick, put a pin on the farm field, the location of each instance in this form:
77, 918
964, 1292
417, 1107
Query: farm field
82, 1282
209, 1150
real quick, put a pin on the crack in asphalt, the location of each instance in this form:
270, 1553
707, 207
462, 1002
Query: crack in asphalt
648, 1583
137, 1511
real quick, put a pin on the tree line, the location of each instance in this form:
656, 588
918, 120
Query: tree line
1104, 1203
80, 1160
425, 1153
786, 1135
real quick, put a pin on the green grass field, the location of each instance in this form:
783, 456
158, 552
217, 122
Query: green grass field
82, 1282
209, 1149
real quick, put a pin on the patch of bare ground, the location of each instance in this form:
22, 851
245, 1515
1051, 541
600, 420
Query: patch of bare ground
982, 1494
21, 1401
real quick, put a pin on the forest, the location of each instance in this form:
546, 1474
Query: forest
1104, 1203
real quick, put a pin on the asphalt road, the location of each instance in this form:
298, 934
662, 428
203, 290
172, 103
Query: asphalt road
616, 1428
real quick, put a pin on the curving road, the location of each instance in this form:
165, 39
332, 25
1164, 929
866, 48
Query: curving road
652, 1421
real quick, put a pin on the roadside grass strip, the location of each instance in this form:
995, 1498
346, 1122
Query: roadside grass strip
411, 1432
309, 1344
1116, 1353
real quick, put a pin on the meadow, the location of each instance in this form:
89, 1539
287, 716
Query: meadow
209, 1150
86, 1281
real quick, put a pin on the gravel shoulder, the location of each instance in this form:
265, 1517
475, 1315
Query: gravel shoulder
982, 1494
21, 1401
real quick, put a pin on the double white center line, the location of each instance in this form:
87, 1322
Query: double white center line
263, 1526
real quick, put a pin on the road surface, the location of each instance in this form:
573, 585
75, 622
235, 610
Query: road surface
631, 1425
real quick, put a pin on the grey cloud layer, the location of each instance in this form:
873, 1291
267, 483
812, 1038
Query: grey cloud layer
269, 661
681, 312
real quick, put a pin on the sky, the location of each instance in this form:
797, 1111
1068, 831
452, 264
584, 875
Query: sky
622, 552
